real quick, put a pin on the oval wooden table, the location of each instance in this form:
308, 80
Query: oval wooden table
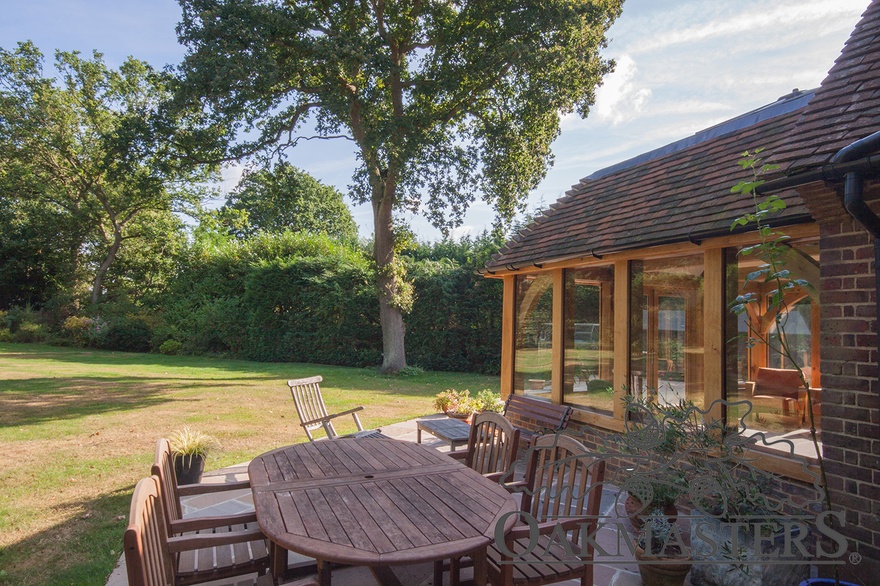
375, 503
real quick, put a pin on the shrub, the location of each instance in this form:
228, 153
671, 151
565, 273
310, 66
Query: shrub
217, 326
30, 333
170, 347
18, 316
128, 335
411, 370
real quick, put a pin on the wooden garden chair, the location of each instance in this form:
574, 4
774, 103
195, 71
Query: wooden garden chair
313, 414
152, 553
563, 486
163, 467
239, 557
492, 445
491, 451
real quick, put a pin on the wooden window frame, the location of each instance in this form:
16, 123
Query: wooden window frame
714, 308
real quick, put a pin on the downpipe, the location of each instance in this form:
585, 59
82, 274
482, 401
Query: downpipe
854, 202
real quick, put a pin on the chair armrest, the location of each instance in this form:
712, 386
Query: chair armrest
333, 416
200, 523
513, 487
458, 454
209, 487
191, 542
524, 531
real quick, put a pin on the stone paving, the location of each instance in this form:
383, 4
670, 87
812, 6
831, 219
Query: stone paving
623, 572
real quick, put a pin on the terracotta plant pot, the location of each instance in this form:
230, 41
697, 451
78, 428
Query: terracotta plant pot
457, 414
663, 571
189, 469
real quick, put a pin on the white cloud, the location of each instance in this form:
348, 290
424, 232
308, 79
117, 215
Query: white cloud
620, 99
461, 232
757, 25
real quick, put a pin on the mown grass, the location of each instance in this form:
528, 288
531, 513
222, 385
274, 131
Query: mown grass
78, 428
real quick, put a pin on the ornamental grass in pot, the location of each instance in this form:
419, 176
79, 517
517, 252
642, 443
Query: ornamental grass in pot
190, 448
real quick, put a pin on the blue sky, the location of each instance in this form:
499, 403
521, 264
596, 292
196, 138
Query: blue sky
682, 66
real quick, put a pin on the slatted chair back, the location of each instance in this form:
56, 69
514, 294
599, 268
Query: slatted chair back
492, 444
163, 469
312, 412
309, 403
147, 559
564, 481
563, 488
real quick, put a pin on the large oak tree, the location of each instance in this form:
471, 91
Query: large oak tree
444, 101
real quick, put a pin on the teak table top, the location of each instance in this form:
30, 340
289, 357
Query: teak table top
374, 502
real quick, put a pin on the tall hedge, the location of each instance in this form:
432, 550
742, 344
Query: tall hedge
318, 309
455, 323
306, 298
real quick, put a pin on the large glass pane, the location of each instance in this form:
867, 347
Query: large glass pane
533, 335
588, 339
666, 330
764, 375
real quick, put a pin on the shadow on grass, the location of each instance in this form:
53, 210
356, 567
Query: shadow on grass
82, 550
36, 400
343, 378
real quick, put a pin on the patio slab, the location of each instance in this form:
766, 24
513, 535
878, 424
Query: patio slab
417, 575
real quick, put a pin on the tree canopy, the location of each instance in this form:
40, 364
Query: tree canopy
96, 148
444, 101
286, 198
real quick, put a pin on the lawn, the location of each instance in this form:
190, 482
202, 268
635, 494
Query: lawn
78, 428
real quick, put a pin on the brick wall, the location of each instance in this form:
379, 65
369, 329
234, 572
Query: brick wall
850, 422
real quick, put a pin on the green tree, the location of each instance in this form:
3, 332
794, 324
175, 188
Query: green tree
97, 144
442, 100
287, 198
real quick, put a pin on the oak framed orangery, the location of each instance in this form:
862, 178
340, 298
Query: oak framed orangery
624, 284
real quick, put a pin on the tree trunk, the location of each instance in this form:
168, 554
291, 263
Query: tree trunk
98, 283
390, 315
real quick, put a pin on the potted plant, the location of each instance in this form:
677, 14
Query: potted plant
457, 404
644, 495
663, 557
486, 400
189, 448
662, 440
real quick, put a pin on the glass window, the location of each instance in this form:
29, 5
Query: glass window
666, 329
760, 372
534, 335
588, 339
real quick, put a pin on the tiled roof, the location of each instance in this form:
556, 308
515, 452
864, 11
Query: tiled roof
685, 195
678, 197
847, 105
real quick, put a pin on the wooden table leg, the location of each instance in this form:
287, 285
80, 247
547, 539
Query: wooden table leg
481, 566
278, 559
385, 576
323, 573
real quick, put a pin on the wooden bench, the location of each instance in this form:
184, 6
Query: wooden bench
533, 417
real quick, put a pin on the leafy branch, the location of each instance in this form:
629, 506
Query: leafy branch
775, 284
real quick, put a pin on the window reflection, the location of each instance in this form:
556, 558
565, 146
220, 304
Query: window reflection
666, 328
763, 375
588, 339
534, 335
